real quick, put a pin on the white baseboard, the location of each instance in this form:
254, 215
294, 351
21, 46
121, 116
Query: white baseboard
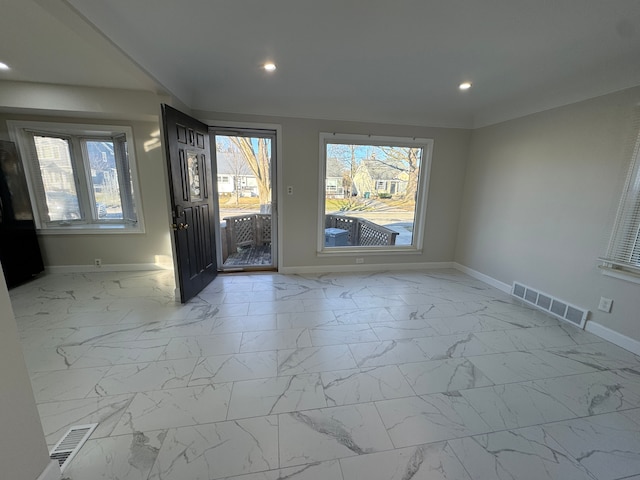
373, 267
115, 267
482, 277
614, 337
52, 472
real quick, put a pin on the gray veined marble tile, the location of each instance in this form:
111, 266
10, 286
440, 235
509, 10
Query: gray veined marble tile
234, 367
244, 323
364, 385
318, 304
629, 377
275, 340
403, 329
424, 462
518, 317
592, 393
603, 355
178, 328
454, 346
57, 358
312, 471
523, 454
330, 433
275, 307
439, 376
140, 377
103, 334
413, 312
516, 405
389, 352
65, 384
466, 323
314, 359
607, 445
429, 418
218, 450
362, 315
267, 396
339, 334
246, 297
386, 300
535, 337
201, 346
633, 415
122, 352
177, 407
305, 319
521, 366
124, 457
57, 417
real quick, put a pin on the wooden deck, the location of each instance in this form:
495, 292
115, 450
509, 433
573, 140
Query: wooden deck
250, 256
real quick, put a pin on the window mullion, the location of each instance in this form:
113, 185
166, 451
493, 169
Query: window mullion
124, 177
82, 174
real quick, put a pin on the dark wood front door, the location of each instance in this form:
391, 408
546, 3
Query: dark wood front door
190, 181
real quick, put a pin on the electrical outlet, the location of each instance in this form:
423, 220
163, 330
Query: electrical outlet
290, 190
605, 304
359, 260
97, 262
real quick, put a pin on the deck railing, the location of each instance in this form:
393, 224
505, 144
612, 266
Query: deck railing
246, 231
361, 232
255, 229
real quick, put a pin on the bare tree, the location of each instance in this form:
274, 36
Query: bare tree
258, 159
407, 160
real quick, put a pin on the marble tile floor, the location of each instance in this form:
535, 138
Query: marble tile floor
397, 375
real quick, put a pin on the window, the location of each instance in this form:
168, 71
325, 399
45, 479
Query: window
81, 177
374, 193
623, 253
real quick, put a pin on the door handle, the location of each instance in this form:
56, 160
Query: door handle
180, 226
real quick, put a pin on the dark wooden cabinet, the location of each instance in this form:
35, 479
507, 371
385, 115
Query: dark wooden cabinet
19, 249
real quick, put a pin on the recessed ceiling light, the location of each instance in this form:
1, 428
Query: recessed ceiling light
4, 66
464, 86
270, 67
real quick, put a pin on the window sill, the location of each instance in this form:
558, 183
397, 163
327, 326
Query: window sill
367, 251
92, 229
620, 274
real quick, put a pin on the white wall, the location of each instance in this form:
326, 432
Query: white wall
300, 168
539, 197
23, 450
140, 110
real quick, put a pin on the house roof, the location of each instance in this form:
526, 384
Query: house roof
365, 60
384, 170
231, 163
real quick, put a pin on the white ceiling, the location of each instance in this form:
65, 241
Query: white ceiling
372, 60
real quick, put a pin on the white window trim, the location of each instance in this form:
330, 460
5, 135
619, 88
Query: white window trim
626, 225
421, 202
18, 135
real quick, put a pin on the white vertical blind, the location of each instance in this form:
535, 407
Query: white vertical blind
624, 246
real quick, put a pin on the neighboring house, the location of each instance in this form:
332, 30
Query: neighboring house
233, 172
375, 176
335, 179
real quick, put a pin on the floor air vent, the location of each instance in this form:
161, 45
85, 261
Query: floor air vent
70, 444
549, 304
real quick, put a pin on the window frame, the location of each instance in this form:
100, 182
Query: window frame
622, 259
21, 133
419, 224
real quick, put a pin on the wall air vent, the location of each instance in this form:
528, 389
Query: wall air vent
69, 445
547, 303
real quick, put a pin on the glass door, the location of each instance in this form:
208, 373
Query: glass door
246, 207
